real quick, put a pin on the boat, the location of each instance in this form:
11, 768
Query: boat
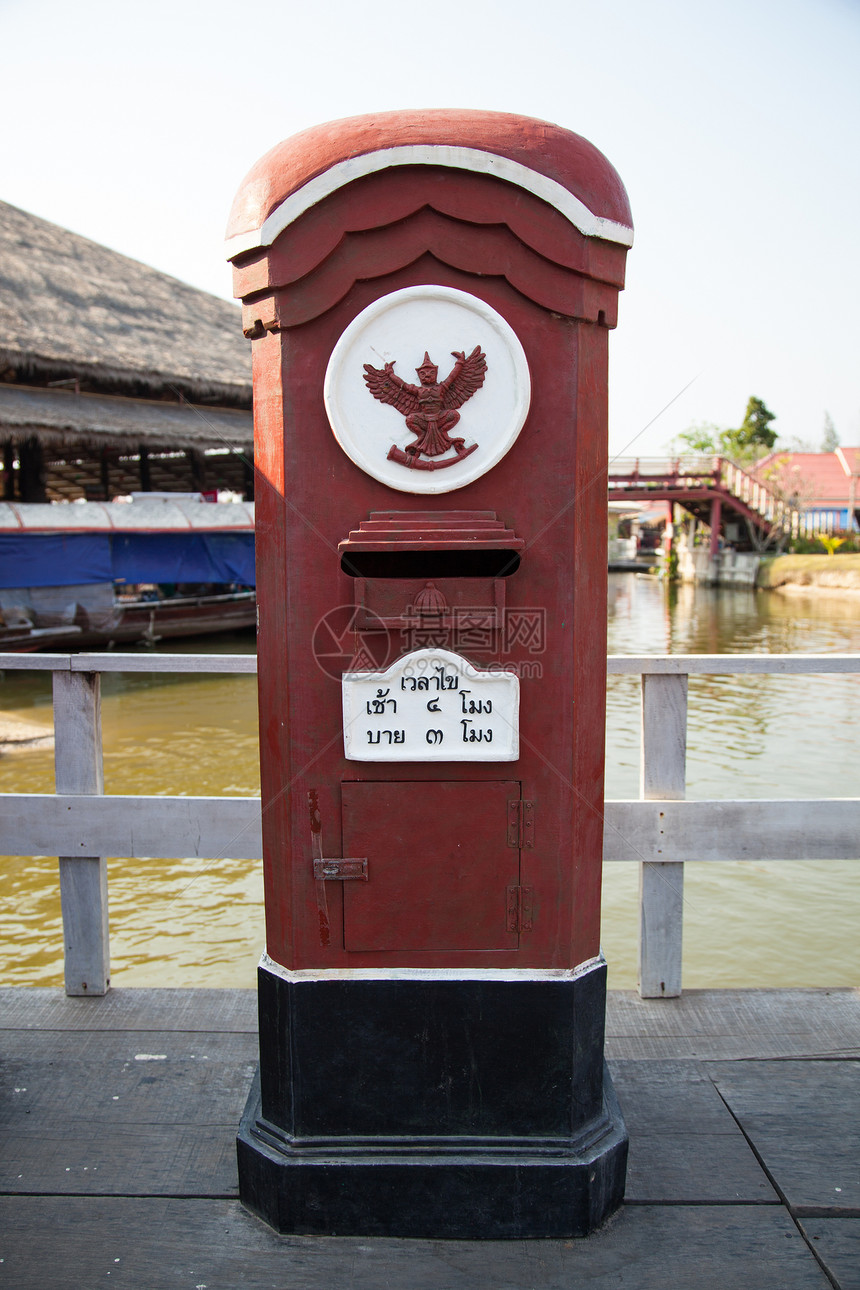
93, 575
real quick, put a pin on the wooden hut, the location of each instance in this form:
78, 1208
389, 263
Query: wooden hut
114, 378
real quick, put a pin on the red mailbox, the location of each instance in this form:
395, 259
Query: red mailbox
429, 297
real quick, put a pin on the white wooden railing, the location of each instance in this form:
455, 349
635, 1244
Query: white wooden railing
660, 831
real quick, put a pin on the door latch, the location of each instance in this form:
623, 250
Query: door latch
341, 870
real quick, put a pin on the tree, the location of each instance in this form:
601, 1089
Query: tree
754, 437
745, 445
700, 437
829, 437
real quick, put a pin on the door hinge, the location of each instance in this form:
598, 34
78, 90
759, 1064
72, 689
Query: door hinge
341, 870
521, 824
519, 909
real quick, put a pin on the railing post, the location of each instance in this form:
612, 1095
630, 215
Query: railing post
83, 879
661, 884
716, 520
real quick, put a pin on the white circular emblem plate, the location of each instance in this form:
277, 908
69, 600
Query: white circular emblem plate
417, 429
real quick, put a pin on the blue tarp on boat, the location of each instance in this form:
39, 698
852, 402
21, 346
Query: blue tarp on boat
54, 559
192, 557
72, 559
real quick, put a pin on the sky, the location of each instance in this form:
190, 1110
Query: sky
735, 127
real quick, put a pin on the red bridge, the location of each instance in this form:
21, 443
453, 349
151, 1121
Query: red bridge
712, 489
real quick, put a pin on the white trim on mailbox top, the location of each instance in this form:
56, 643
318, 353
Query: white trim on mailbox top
430, 154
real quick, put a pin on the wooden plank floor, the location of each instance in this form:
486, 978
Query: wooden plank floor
118, 1118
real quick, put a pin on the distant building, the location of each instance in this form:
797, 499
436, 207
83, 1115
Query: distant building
114, 378
824, 485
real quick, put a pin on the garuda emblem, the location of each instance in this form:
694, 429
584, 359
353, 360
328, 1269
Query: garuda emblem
430, 408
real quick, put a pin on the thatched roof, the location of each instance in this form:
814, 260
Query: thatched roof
72, 308
62, 417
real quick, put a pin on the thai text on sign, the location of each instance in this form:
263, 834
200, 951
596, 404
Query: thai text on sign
431, 705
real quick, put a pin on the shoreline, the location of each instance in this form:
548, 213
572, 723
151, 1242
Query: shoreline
810, 574
812, 589
21, 736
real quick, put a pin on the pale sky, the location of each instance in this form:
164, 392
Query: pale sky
735, 126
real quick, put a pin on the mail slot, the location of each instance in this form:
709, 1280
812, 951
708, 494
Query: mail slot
430, 572
429, 298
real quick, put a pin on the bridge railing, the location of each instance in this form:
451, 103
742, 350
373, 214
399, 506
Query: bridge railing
757, 495
690, 471
688, 463
660, 831
669, 477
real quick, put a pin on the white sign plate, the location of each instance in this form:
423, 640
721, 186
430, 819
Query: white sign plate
484, 418
431, 705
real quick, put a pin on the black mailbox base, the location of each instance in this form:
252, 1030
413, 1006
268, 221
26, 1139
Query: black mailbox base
470, 1109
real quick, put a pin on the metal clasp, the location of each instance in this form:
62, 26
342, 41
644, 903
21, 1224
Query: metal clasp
341, 870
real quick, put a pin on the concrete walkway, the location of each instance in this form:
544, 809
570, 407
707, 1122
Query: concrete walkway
118, 1118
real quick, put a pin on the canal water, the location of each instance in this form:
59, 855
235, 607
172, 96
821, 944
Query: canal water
200, 922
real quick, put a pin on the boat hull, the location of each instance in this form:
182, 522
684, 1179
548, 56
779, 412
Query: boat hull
140, 622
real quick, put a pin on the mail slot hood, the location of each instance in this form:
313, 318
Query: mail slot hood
427, 544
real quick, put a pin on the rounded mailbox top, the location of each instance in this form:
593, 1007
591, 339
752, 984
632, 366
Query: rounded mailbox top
556, 165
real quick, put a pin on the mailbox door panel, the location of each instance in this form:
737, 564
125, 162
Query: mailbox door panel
439, 866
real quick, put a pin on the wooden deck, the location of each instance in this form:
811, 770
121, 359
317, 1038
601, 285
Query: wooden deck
118, 1166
